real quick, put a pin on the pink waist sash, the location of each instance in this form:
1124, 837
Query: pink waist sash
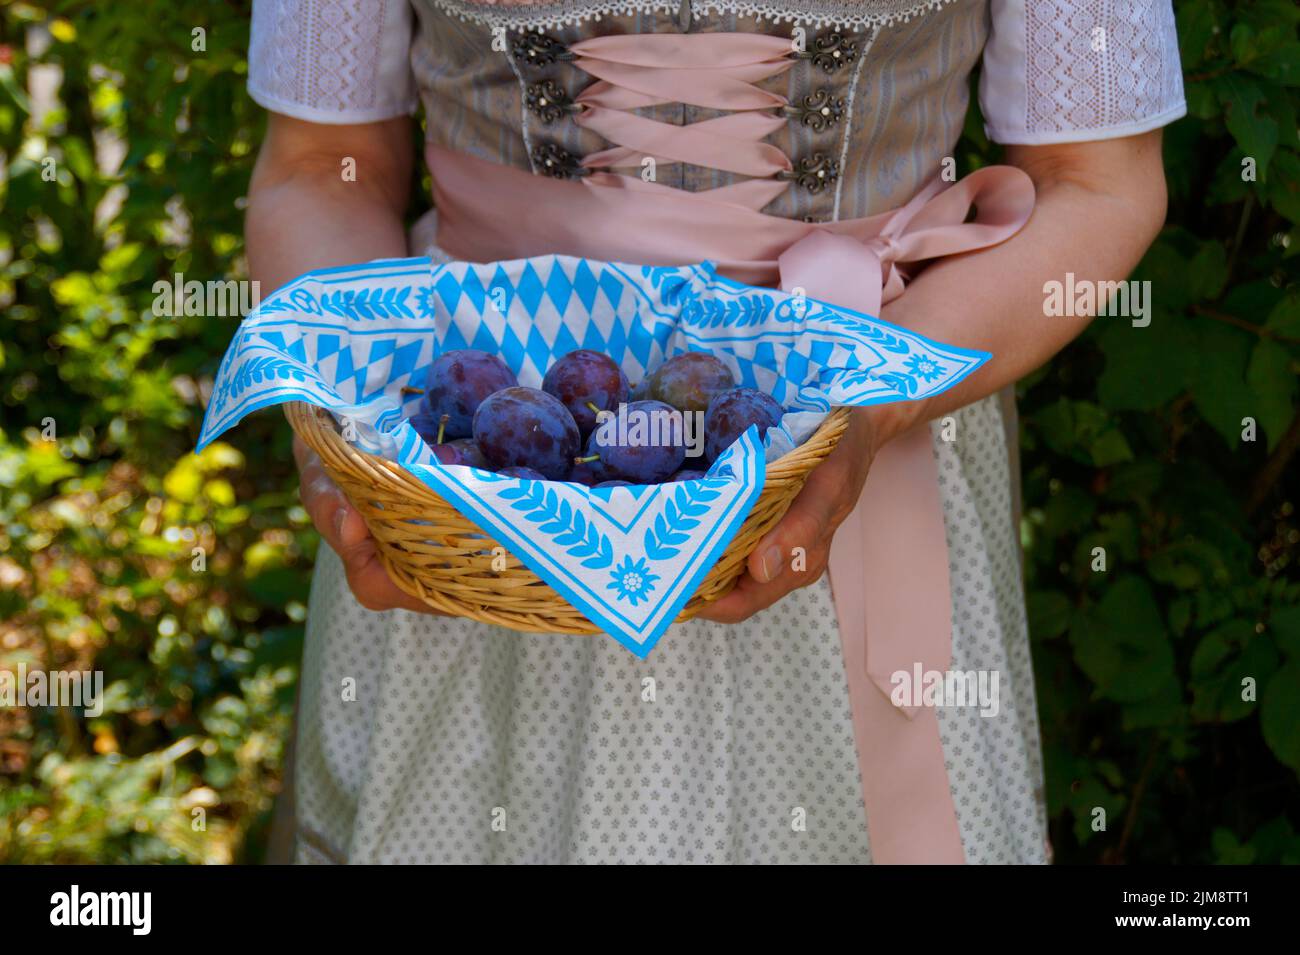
889, 560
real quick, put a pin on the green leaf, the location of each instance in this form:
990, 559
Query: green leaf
1284, 319
1219, 382
1165, 567
1110, 447
1049, 613
1280, 64
1242, 41
1164, 708
1228, 851
76, 289
1284, 189
1227, 185
1251, 300
1202, 101
1146, 367
1165, 267
1280, 714
1069, 511
1224, 659
279, 585
1273, 383
1277, 843
119, 259
1268, 14
1284, 624
1207, 273
78, 157
1122, 645
1255, 131
1136, 482
1197, 26
1085, 432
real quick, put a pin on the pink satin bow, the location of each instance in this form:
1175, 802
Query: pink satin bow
889, 560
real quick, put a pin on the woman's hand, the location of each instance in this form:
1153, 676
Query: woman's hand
827, 498
345, 531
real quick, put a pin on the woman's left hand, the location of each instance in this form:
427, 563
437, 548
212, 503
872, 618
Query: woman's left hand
827, 498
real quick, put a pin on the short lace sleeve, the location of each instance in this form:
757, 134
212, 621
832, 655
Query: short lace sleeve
332, 61
1059, 71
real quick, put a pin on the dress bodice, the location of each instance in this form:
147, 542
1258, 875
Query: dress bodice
869, 107
873, 100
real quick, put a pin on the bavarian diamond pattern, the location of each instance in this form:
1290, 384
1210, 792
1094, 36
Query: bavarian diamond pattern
349, 339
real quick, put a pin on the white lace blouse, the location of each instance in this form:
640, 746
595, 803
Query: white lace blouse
1053, 70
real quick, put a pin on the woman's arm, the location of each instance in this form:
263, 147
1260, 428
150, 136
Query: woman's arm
1099, 206
304, 213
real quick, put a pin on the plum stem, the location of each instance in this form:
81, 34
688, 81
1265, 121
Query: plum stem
594, 409
409, 390
442, 426
588, 460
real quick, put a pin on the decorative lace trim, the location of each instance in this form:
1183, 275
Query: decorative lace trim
1068, 70
820, 14
1096, 64
332, 60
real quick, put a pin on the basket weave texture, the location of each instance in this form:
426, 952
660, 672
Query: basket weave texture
447, 561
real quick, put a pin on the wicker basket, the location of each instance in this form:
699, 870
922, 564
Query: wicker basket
446, 560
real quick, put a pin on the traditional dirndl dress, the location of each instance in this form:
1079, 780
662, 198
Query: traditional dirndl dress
471, 743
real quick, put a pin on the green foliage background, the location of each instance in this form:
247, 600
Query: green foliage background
1132, 441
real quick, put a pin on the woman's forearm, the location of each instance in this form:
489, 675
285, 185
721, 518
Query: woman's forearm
323, 196
1099, 205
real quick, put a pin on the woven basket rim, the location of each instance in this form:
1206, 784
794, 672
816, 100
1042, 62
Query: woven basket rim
373, 476
310, 420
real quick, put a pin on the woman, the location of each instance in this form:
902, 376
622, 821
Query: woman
763, 732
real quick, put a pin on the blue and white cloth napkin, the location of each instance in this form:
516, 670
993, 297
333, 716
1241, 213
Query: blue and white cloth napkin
348, 339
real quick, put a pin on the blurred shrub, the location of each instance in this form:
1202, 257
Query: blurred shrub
1132, 441
184, 578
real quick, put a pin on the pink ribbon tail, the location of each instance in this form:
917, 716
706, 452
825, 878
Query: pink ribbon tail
889, 560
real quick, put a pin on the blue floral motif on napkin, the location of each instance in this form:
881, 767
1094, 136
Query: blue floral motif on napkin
349, 339
628, 557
